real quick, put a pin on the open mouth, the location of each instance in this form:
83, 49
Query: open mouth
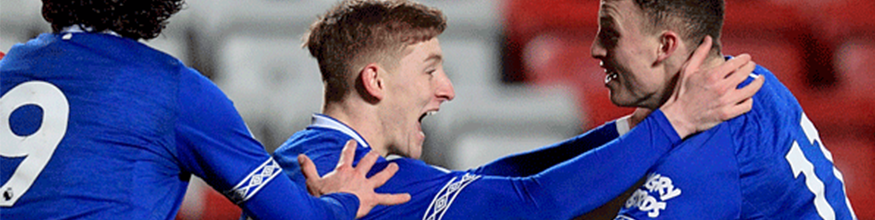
611, 74
427, 113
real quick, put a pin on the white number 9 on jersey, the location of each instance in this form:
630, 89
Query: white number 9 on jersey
38, 147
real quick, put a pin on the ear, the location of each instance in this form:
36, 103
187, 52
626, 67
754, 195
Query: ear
669, 42
372, 80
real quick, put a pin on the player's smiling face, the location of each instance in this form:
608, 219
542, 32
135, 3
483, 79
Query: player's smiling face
414, 89
628, 54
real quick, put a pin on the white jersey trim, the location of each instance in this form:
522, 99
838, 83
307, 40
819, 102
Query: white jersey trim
78, 29
324, 121
257, 179
445, 197
623, 125
623, 217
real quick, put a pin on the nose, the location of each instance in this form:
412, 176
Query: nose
597, 50
445, 91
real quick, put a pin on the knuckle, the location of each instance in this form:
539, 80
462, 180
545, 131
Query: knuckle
724, 101
725, 115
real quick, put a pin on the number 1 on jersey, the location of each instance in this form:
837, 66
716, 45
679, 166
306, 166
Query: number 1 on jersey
802, 165
38, 147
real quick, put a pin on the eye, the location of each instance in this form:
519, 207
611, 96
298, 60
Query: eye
430, 71
608, 37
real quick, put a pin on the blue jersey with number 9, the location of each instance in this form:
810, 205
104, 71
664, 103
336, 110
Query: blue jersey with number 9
766, 164
96, 126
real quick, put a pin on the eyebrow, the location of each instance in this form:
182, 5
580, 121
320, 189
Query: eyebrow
607, 21
435, 57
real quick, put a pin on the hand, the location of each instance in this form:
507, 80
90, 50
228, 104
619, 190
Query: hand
704, 98
351, 180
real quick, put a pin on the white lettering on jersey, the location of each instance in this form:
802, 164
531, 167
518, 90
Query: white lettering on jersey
656, 183
445, 197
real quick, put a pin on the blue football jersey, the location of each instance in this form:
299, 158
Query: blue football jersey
104, 127
766, 164
555, 182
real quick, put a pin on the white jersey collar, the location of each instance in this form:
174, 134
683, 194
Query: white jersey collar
324, 121
79, 29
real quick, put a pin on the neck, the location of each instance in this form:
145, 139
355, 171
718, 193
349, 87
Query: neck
362, 118
712, 61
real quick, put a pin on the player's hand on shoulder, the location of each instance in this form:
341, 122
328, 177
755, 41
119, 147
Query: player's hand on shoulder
348, 179
704, 98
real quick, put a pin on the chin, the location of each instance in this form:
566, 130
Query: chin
620, 101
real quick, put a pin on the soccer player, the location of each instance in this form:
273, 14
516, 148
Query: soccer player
96, 125
768, 163
381, 64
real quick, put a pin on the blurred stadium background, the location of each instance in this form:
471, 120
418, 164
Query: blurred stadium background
522, 71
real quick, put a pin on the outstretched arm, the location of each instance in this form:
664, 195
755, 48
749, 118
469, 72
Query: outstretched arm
702, 99
572, 187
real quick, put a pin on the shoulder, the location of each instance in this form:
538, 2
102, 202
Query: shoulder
763, 132
323, 146
314, 142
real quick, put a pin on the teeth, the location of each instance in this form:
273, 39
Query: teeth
610, 77
428, 113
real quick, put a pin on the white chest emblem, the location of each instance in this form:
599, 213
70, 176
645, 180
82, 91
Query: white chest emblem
663, 190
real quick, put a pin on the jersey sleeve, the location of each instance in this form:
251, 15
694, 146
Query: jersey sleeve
521, 165
566, 190
214, 144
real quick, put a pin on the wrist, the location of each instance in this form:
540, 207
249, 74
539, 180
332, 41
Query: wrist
681, 125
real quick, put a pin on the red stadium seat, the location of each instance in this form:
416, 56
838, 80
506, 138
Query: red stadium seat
847, 27
564, 58
853, 153
771, 34
549, 43
846, 106
793, 42
218, 207
207, 204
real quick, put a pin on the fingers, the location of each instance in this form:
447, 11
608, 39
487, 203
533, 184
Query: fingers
380, 178
367, 162
742, 99
736, 110
392, 199
732, 65
308, 168
747, 91
741, 74
347, 154
699, 55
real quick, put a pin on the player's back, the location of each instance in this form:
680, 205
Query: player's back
91, 130
756, 166
785, 170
